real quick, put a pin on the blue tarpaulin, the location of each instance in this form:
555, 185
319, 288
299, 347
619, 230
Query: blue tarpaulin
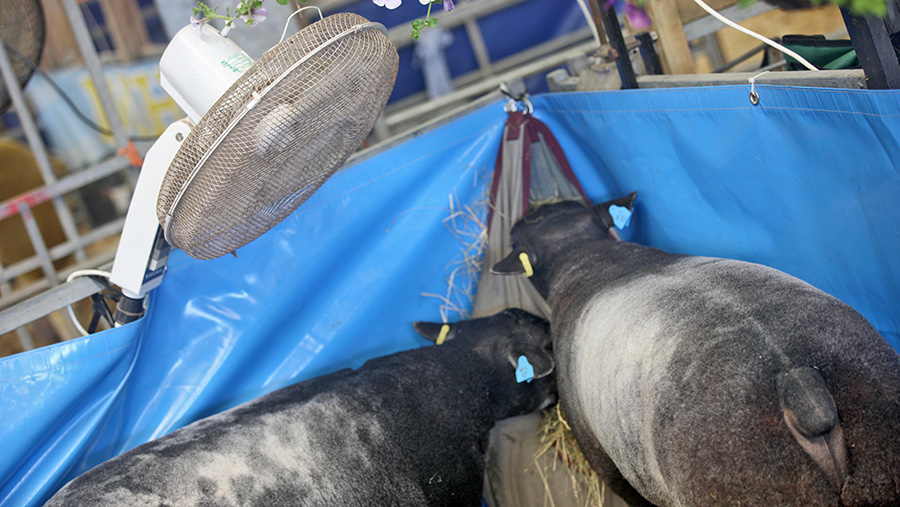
807, 182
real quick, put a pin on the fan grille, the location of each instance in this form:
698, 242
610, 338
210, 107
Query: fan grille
283, 149
22, 29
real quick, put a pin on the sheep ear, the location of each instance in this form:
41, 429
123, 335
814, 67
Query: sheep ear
623, 205
511, 265
434, 331
538, 361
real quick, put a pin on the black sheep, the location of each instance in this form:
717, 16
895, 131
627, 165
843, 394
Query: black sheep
702, 381
409, 428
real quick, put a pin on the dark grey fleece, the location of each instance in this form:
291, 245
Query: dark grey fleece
669, 368
405, 429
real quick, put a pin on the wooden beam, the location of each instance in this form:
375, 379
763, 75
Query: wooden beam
674, 51
127, 28
60, 48
688, 10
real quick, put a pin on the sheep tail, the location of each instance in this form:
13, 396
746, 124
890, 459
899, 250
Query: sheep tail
812, 418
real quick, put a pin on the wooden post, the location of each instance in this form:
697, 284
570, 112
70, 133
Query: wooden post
127, 28
673, 45
60, 48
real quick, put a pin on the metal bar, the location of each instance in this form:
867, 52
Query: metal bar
853, 79
5, 286
419, 128
487, 85
61, 250
531, 54
22, 294
526, 57
47, 302
399, 35
38, 150
708, 25
709, 44
873, 48
648, 53
25, 338
21, 267
617, 41
36, 288
773, 66
92, 62
38, 242
479, 47
744, 57
63, 186
28, 125
96, 234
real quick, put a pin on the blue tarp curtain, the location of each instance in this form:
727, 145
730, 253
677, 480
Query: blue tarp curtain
807, 182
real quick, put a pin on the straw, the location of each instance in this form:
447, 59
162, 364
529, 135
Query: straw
467, 224
557, 439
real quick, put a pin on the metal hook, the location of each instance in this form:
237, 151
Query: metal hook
298, 11
512, 105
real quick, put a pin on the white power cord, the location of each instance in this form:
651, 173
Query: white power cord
712, 12
77, 274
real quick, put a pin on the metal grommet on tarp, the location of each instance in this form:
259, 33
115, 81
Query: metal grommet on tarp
754, 95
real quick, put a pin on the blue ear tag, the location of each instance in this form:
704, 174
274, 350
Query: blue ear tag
621, 216
524, 372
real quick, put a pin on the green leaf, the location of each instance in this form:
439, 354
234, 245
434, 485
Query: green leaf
432, 22
418, 24
284, 2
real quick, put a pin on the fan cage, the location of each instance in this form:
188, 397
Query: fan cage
241, 171
22, 30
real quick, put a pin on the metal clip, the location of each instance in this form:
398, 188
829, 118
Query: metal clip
512, 105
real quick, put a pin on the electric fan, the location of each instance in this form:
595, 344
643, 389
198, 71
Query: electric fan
259, 139
22, 31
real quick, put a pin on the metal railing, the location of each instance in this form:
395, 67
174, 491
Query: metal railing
54, 189
399, 122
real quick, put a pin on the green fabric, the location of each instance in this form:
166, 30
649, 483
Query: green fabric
831, 58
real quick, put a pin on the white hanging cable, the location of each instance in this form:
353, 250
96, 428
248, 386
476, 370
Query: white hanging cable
298, 11
712, 12
586, 12
74, 275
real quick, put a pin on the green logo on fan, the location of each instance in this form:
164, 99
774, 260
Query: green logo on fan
238, 62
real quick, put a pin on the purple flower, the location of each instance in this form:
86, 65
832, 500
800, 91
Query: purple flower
637, 16
390, 4
196, 24
256, 16
448, 5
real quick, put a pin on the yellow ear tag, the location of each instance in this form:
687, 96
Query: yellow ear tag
526, 264
442, 335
